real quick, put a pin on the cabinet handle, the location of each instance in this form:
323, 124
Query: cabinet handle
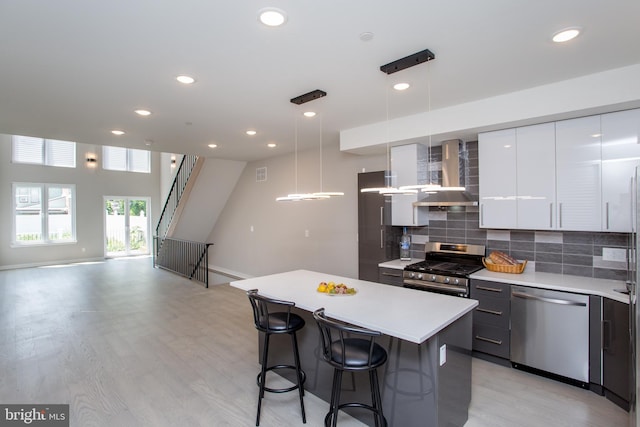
606, 215
481, 214
391, 274
550, 215
560, 215
549, 300
483, 288
382, 238
606, 334
484, 310
497, 342
381, 215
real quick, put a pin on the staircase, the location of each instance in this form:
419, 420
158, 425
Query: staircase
187, 258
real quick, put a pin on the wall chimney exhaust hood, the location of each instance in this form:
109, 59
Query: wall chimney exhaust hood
450, 179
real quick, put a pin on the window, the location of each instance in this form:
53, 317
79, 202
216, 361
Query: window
39, 151
43, 213
126, 159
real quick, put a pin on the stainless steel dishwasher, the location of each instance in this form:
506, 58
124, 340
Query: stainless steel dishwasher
550, 331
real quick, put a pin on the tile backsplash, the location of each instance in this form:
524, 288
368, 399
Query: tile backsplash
565, 252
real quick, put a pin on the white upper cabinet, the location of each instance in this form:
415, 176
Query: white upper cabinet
578, 174
620, 156
408, 167
497, 179
536, 176
569, 175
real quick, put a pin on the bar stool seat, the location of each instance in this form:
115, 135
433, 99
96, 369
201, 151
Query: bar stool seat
350, 348
273, 316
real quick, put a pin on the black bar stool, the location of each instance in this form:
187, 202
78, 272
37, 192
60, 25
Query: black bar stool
350, 348
278, 321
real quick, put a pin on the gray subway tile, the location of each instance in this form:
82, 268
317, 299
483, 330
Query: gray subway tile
576, 270
527, 236
578, 249
579, 237
605, 273
569, 259
549, 247
549, 267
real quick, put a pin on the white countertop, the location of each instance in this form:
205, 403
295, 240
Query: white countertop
558, 282
398, 264
403, 313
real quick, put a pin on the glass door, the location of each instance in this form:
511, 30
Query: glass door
126, 226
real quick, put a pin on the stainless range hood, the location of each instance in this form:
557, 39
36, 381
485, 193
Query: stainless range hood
450, 178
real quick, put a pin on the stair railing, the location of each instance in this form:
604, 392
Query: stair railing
173, 199
187, 258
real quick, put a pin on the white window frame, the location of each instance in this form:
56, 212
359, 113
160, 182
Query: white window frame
46, 157
44, 215
131, 155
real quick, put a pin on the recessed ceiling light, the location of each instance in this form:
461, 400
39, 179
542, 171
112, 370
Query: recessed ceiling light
117, 132
272, 17
271, 145
143, 112
186, 79
566, 35
212, 145
251, 132
309, 113
401, 86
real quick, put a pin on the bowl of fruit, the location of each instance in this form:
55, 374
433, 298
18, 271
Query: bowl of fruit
333, 289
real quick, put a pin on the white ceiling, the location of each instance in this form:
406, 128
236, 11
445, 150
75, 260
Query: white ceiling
75, 70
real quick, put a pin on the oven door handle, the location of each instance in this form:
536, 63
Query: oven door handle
434, 285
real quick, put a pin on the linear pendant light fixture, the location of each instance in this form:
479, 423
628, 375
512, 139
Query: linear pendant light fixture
321, 195
390, 68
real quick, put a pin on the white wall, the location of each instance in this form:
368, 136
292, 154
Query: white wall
277, 242
611, 90
91, 186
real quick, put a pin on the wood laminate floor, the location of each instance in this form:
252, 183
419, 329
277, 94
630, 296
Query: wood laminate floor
125, 344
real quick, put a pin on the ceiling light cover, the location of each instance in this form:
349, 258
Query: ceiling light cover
212, 145
272, 17
251, 132
401, 86
117, 132
309, 113
566, 35
187, 80
143, 113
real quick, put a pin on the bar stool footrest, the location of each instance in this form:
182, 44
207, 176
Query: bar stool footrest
376, 412
286, 389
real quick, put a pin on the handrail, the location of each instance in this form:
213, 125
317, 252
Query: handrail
184, 257
185, 169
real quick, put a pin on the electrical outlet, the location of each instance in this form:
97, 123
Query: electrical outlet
443, 354
306, 233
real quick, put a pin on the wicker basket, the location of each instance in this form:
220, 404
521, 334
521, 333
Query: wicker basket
500, 268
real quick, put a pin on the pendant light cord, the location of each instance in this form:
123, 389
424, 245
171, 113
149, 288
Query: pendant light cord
321, 154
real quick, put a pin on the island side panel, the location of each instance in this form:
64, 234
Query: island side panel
415, 390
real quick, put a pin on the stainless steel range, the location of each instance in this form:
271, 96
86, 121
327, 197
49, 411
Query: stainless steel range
445, 269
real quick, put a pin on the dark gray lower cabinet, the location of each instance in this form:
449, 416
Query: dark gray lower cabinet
491, 319
616, 352
390, 276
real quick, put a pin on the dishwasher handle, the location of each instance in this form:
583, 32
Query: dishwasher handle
546, 299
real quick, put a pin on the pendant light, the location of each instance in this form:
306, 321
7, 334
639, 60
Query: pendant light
322, 193
389, 190
296, 197
430, 187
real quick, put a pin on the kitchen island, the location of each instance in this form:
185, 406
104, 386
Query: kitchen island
427, 378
